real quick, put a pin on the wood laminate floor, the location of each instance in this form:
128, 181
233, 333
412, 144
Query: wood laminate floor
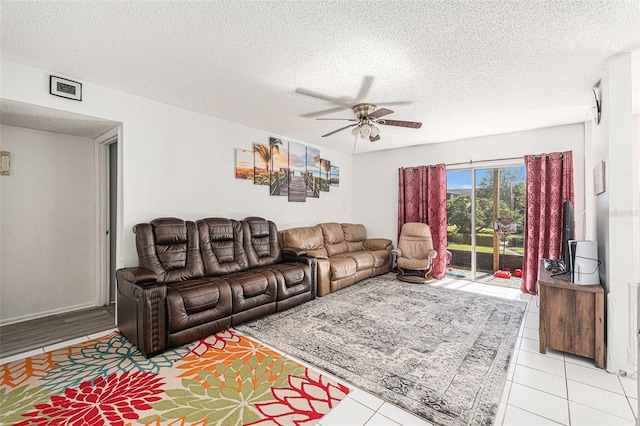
41, 332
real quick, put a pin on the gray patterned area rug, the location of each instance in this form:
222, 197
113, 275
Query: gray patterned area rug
442, 354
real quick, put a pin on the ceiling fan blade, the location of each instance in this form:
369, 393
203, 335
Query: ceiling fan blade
410, 124
394, 103
343, 119
346, 102
324, 112
367, 81
380, 113
339, 130
377, 138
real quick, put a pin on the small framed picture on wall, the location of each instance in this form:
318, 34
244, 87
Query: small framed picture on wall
599, 178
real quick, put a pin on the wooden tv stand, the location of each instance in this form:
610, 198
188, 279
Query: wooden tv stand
571, 317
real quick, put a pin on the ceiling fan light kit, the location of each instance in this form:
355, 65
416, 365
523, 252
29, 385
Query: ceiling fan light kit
364, 131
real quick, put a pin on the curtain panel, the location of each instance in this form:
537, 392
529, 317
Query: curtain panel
422, 197
549, 182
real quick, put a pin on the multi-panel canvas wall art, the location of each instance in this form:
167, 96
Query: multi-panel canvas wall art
290, 169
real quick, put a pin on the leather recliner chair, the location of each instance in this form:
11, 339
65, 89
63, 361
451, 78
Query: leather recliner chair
415, 253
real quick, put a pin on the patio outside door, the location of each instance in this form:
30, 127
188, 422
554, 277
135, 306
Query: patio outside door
475, 199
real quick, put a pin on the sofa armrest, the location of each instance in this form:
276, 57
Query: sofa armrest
141, 310
396, 252
432, 254
294, 251
138, 275
310, 262
377, 244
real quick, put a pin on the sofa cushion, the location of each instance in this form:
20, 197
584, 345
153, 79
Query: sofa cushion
380, 257
221, 243
291, 278
354, 232
354, 235
334, 241
250, 289
308, 238
170, 248
364, 260
194, 302
261, 242
342, 267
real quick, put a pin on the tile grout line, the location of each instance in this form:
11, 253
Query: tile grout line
566, 385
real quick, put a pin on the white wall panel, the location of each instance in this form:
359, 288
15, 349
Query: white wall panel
47, 223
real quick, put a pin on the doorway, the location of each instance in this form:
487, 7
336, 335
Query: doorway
110, 243
480, 201
112, 231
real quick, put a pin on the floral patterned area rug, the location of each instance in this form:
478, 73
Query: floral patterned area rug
225, 379
442, 354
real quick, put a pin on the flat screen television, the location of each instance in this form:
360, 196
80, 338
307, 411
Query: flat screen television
568, 229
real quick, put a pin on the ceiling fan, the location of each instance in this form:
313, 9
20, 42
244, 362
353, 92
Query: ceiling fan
367, 119
367, 114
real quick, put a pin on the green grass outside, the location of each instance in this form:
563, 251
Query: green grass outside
467, 247
482, 249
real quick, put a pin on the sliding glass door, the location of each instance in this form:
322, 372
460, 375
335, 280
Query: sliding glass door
485, 211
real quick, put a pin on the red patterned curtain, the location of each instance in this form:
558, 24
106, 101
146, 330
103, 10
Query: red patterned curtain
549, 183
422, 197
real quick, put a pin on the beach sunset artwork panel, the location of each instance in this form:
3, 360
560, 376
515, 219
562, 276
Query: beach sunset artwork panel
313, 172
334, 179
279, 170
325, 170
244, 164
297, 172
261, 162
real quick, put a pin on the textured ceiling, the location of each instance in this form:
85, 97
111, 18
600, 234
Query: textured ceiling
19, 114
469, 68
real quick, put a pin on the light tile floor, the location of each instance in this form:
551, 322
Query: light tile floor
551, 389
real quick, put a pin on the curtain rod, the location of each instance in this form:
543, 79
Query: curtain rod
486, 161
497, 159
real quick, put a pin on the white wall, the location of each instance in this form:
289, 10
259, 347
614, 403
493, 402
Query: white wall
46, 224
616, 212
181, 163
376, 185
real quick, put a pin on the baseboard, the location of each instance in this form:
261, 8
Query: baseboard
46, 313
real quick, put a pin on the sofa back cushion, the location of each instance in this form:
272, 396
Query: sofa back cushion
307, 238
221, 244
170, 248
334, 241
261, 242
354, 235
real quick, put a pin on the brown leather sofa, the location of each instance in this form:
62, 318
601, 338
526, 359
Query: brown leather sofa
343, 253
196, 279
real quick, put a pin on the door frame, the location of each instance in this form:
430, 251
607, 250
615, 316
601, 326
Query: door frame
102, 213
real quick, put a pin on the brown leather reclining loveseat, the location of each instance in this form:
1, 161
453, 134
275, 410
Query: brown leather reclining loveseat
196, 279
343, 252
